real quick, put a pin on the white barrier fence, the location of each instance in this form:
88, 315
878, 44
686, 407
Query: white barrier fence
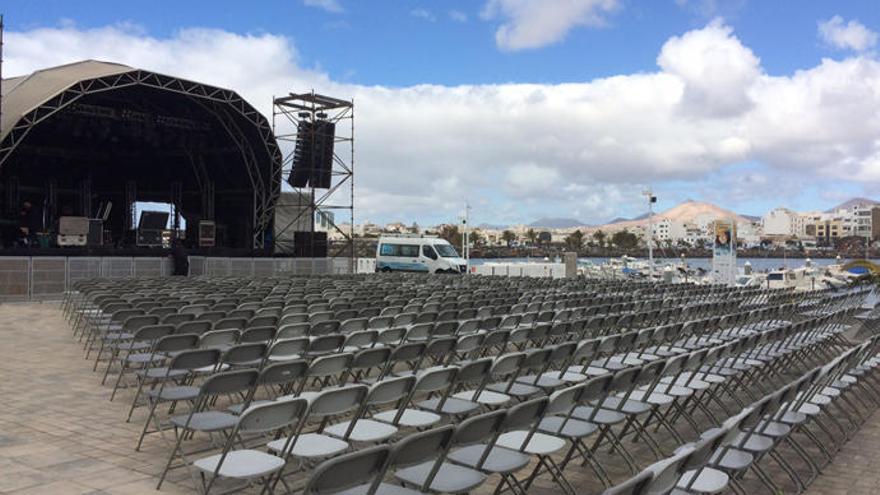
541, 270
40, 278
25, 278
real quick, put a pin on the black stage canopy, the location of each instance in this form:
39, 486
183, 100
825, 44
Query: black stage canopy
84, 134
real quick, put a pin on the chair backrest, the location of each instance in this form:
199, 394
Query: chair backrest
348, 471
367, 359
294, 348
637, 485
339, 400
666, 472
330, 365
423, 446
283, 373
524, 414
478, 428
233, 323
150, 333
194, 359
219, 338
273, 416
245, 353
133, 323
177, 342
229, 382
436, 379
293, 330
196, 327
178, 318
390, 390
258, 334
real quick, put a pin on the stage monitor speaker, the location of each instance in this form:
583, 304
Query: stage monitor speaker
96, 232
308, 245
207, 233
153, 220
313, 155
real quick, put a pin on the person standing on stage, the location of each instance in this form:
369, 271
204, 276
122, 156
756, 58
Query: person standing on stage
180, 258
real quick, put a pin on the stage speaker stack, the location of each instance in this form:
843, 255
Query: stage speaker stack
313, 154
150, 228
96, 232
207, 233
73, 231
310, 244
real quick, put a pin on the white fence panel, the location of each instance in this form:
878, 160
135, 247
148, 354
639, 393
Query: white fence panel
117, 267
148, 267
263, 267
82, 269
196, 266
14, 278
48, 278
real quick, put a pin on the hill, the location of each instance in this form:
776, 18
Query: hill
557, 223
846, 205
685, 212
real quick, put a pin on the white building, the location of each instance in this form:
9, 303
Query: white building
780, 222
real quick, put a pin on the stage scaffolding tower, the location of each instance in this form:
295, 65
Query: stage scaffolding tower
287, 113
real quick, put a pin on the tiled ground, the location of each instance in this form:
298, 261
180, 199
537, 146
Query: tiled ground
59, 434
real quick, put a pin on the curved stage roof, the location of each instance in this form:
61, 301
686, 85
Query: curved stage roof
110, 125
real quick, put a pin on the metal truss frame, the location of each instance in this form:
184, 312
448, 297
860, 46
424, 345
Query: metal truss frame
290, 110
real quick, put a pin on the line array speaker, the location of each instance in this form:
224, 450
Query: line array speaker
313, 154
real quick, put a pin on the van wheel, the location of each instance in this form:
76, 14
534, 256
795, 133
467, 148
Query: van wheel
386, 269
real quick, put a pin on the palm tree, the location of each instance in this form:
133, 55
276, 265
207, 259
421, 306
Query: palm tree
532, 236
575, 240
508, 237
600, 237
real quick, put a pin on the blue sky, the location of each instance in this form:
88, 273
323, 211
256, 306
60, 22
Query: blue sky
453, 47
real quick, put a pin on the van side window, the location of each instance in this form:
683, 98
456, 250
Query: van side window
389, 250
408, 250
429, 252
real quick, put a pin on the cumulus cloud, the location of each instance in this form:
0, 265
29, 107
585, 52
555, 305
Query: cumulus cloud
518, 151
533, 23
715, 67
852, 35
329, 5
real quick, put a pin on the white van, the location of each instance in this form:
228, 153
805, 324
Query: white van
418, 254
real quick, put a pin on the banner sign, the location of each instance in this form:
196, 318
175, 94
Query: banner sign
724, 252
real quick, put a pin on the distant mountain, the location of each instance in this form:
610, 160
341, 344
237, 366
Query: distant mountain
557, 223
853, 202
685, 212
751, 217
619, 220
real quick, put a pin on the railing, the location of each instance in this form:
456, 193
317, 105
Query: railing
46, 278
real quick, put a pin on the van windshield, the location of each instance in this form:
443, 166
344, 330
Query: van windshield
445, 250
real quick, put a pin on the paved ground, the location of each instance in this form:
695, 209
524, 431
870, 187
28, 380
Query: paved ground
59, 434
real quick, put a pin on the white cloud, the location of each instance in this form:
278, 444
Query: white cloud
458, 16
852, 35
527, 150
535, 23
329, 5
423, 14
529, 179
715, 67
